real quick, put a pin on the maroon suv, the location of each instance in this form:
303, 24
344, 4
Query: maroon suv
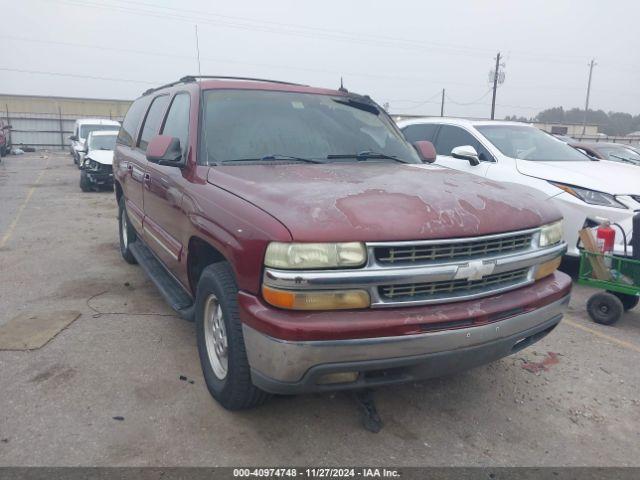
316, 249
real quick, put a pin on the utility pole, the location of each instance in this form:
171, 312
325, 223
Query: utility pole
198, 50
442, 104
592, 64
495, 86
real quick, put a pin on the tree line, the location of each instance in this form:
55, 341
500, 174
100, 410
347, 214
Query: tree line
609, 123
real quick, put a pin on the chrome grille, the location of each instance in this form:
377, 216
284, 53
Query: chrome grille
446, 250
451, 288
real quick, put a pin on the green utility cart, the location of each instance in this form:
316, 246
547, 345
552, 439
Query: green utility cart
621, 288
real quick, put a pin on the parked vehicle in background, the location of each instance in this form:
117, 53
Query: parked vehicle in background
82, 128
5, 138
584, 190
564, 138
96, 170
615, 152
297, 228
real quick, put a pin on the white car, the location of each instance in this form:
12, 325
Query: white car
585, 190
96, 170
81, 131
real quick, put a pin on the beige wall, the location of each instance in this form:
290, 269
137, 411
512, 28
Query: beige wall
572, 130
76, 107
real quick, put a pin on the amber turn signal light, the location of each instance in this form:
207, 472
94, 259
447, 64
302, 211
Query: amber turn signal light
316, 300
547, 268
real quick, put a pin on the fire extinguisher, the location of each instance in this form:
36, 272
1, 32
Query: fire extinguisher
606, 237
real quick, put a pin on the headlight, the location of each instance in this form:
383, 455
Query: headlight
551, 234
591, 197
315, 255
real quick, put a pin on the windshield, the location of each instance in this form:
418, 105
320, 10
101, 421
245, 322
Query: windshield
529, 143
620, 154
257, 124
85, 130
102, 142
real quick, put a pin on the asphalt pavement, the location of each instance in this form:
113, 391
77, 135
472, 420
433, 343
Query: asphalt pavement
121, 385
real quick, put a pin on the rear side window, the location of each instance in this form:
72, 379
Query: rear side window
177, 122
450, 137
153, 120
415, 133
131, 122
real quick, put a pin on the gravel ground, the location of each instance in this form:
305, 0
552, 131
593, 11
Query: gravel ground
108, 390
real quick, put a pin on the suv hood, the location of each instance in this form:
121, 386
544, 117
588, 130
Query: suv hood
381, 201
101, 156
604, 176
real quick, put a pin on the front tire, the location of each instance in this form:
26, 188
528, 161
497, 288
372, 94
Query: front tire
220, 341
605, 308
85, 184
127, 233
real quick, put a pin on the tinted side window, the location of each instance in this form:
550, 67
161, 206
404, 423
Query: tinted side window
153, 120
414, 133
131, 122
450, 137
177, 122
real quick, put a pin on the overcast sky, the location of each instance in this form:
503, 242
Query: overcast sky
402, 52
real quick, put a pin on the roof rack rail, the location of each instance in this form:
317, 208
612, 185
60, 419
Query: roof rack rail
193, 78
166, 85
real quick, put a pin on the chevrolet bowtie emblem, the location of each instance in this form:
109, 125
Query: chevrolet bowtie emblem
475, 270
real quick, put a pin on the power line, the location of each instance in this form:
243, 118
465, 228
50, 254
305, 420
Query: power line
289, 67
237, 62
73, 75
300, 31
474, 102
418, 103
317, 30
577, 59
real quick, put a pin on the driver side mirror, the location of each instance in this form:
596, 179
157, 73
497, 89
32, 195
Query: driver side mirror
73, 138
426, 151
466, 152
165, 150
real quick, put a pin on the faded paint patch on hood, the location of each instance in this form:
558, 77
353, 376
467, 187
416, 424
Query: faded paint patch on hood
378, 202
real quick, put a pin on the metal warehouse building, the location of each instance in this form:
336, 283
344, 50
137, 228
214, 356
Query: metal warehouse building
47, 122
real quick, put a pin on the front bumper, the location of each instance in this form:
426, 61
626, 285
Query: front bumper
100, 178
290, 367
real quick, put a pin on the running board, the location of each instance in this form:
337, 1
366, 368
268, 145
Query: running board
169, 288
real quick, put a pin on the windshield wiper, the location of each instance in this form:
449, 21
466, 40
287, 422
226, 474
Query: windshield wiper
360, 105
627, 160
274, 157
366, 155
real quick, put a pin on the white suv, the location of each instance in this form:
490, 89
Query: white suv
584, 190
81, 131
